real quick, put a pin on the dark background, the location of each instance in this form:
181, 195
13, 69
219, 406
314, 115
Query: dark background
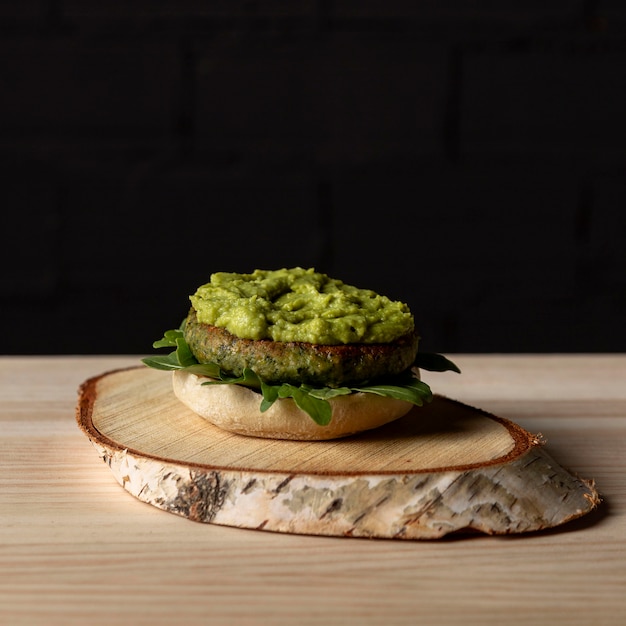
467, 158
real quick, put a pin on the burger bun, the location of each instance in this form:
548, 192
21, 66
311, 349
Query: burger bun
236, 409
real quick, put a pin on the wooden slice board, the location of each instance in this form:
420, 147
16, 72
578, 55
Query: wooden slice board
442, 468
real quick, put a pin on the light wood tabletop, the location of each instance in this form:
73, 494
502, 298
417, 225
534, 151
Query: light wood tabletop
76, 548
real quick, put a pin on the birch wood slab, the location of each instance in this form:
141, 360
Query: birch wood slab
441, 469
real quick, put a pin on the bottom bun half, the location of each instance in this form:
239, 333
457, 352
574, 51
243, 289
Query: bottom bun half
236, 409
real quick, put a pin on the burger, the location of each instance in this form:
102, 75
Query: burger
295, 354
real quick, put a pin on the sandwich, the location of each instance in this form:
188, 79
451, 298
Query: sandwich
295, 354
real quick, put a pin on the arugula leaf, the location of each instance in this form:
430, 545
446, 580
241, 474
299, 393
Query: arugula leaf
319, 410
211, 370
326, 393
311, 400
435, 363
415, 391
163, 362
270, 395
169, 339
184, 354
247, 379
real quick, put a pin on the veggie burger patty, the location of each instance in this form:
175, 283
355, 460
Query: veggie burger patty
298, 362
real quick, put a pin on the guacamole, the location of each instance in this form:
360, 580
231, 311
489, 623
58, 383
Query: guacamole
299, 305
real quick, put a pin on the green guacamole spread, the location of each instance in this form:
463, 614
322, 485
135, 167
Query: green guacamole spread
299, 305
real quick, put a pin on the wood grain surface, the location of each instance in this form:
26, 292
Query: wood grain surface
75, 548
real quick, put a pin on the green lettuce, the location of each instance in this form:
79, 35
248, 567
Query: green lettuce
311, 400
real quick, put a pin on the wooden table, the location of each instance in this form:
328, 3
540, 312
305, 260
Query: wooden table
75, 548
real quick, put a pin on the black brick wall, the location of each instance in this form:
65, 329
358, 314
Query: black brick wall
468, 160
